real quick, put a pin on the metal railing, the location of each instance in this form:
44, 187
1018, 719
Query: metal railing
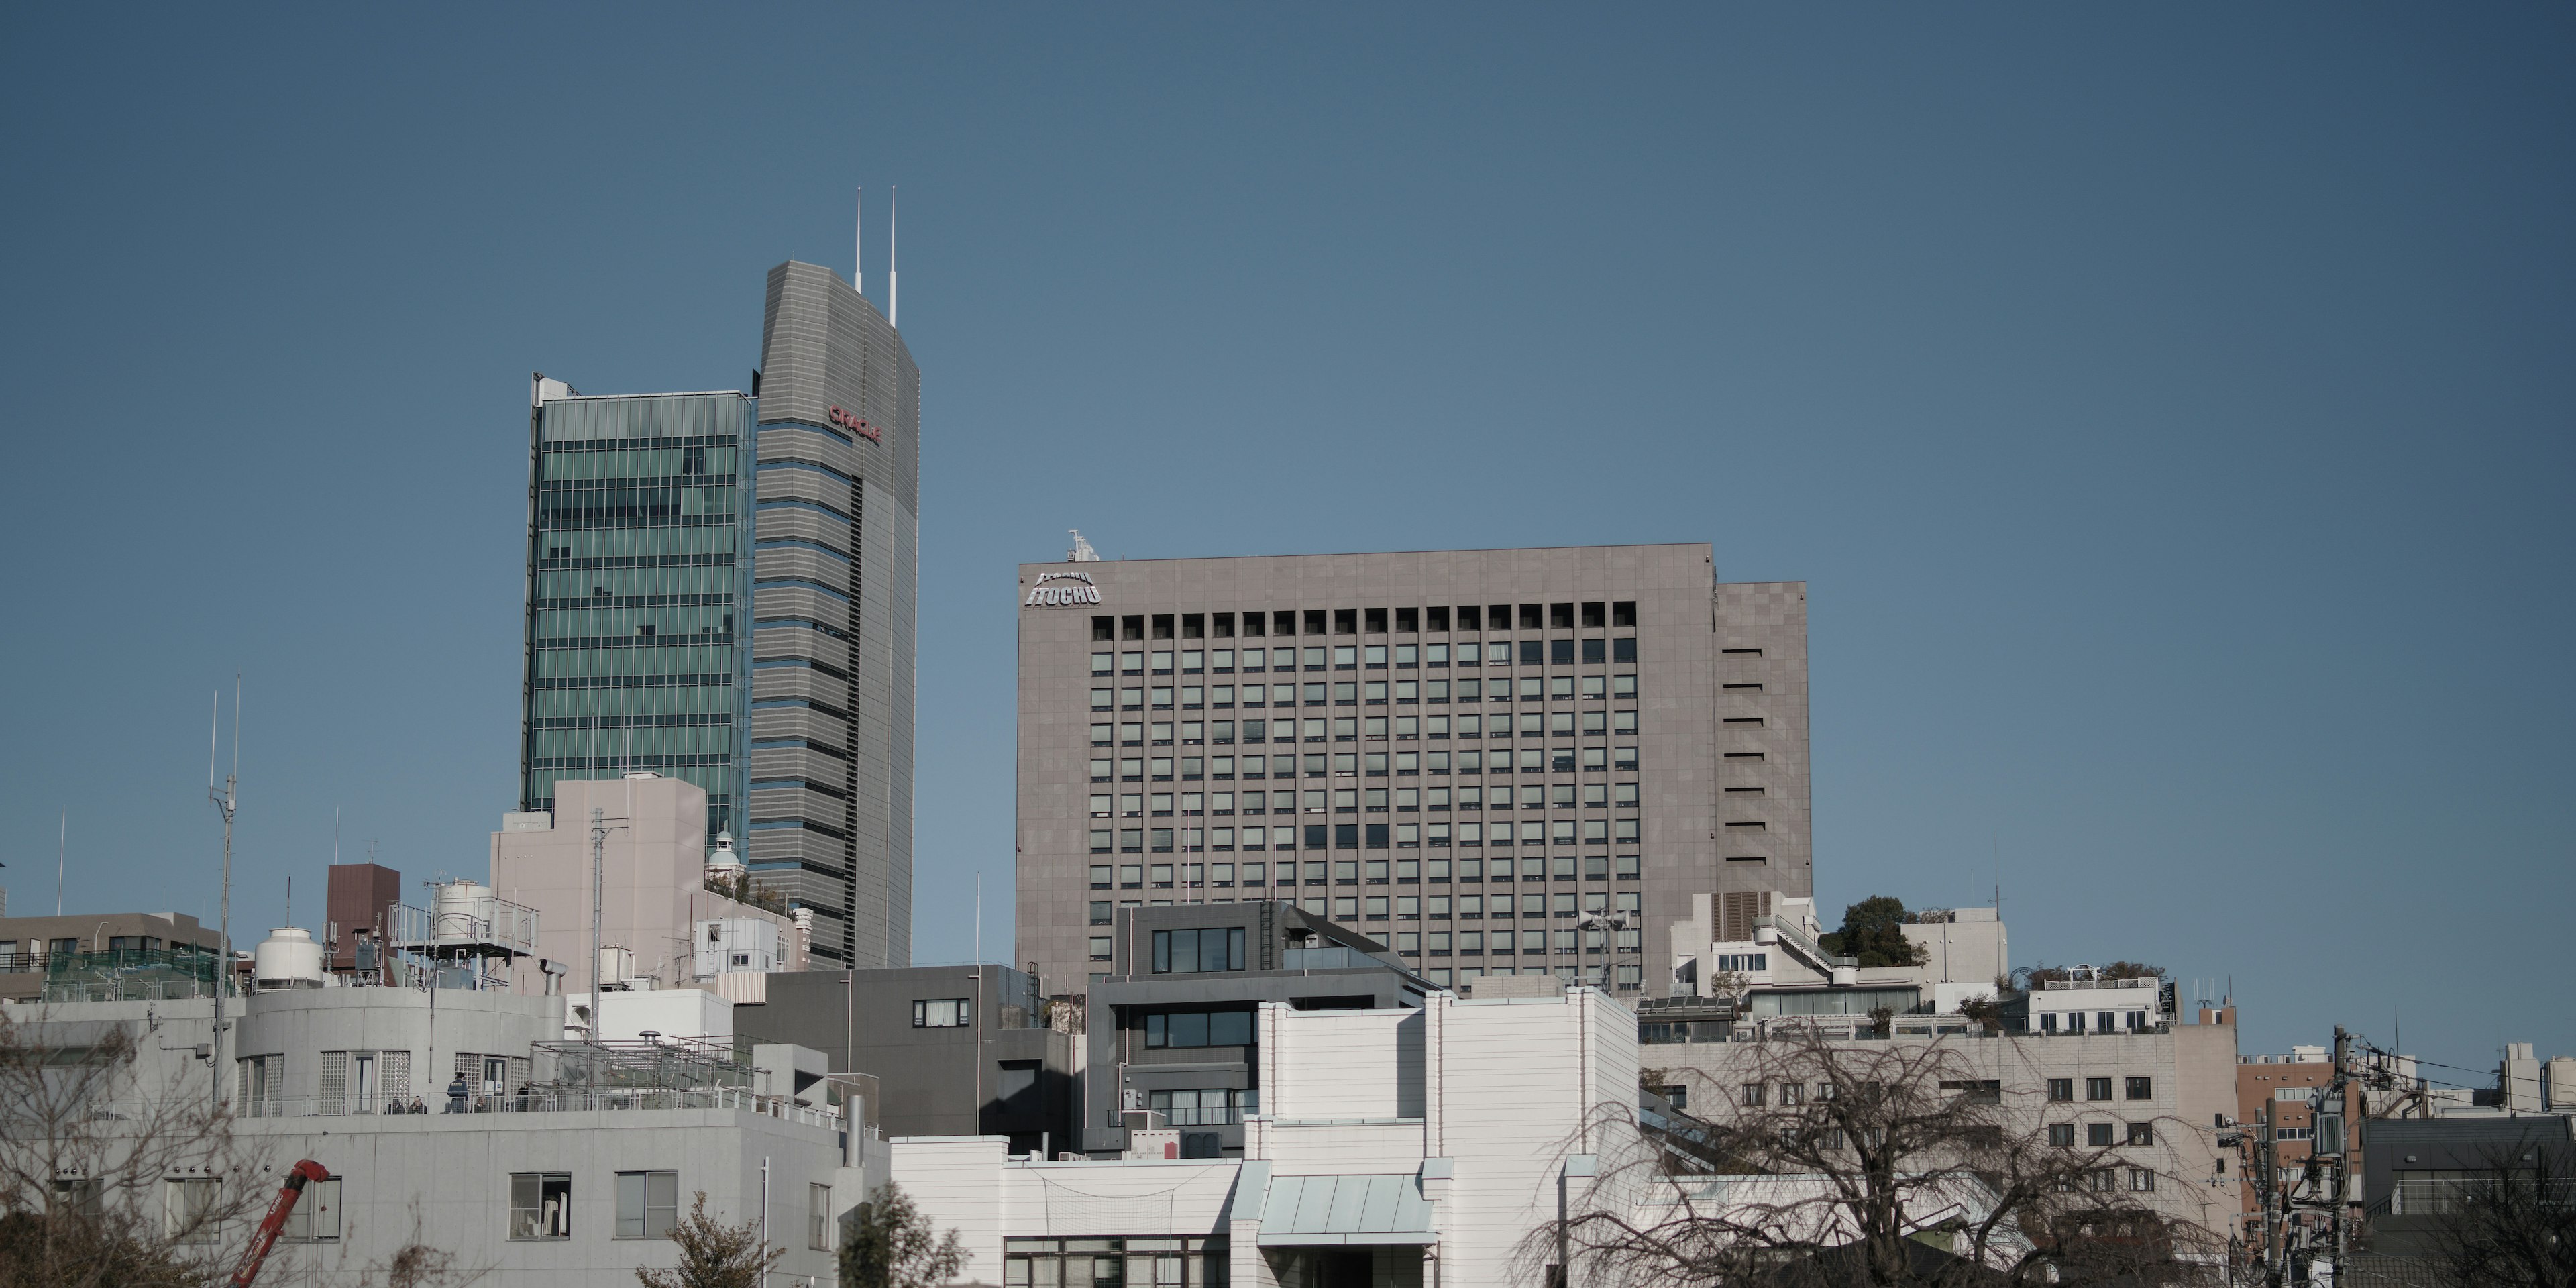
1795, 935
544, 1101
2088, 985
1337, 957
130, 989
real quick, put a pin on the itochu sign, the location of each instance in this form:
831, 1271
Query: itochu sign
1044, 595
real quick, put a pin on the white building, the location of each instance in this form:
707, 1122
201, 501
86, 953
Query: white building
458, 1119
1411, 1147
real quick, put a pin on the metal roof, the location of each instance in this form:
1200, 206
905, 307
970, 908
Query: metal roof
1345, 1210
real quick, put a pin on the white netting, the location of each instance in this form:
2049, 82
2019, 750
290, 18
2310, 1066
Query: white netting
1075, 1212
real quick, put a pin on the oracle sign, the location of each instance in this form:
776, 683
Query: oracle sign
1046, 596
856, 426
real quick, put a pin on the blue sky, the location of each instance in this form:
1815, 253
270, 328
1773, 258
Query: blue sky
2167, 408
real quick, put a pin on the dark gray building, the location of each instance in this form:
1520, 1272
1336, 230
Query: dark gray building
2416, 1172
1171, 1023
833, 587
1457, 753
956, 1050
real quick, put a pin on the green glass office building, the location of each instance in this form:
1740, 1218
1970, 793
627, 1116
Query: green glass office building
639, 593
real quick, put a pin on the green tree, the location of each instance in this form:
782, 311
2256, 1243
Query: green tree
1874, 931
713, 1254
891, 1245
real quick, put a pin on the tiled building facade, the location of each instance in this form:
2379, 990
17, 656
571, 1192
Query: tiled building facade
1459, 753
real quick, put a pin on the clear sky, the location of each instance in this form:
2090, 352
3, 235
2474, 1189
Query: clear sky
2168, 408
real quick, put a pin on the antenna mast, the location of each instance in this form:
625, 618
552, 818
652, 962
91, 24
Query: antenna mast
225, 803
859, 247
891, 280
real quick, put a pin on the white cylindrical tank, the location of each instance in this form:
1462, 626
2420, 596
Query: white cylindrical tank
288, 958
460, 911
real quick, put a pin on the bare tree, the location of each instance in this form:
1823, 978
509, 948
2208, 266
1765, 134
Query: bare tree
110, 1175
1869, 1164
2511, 1225
714, 1254
892, 1245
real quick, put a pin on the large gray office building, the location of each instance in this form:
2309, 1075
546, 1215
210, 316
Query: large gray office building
721, 588
1457, 753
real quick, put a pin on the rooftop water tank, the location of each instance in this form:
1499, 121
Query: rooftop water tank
461, 912
288, 958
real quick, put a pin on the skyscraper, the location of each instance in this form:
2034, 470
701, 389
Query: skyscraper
639, 580
834, 593
1462, 753
721, 588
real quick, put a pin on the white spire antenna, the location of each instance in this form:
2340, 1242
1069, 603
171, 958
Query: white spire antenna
891, 280
859, 248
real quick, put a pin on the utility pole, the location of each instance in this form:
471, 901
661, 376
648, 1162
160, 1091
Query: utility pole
225, 804
2268, 1154
600, 827
2343, 1146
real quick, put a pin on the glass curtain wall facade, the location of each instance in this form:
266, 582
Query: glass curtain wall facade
638, 641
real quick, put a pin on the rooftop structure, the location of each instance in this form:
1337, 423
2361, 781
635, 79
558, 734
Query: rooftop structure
1171, 1042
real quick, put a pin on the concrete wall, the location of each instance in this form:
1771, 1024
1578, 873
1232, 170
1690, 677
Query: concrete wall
431, 1027
444, 1180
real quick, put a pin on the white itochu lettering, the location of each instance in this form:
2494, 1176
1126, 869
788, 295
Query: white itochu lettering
1059, 596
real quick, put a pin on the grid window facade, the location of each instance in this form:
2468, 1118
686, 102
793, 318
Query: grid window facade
1467, 727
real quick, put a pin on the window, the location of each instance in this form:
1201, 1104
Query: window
648, 1204
1181, 952
2100, 1135
1100, 949
818, 1218
2142, 1133
188, 1208
2062, 1135
1753, 1095
2097, 1088
316, 1218
2142, 1088
1623, 649
1177, 1029
943, 1013
2142, 1181
2061, 1089
541, 1205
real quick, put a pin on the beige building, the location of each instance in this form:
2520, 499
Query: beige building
1459, 753
2155, 1100
656, 907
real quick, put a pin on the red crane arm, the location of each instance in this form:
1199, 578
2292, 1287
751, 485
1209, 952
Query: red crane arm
256, 1255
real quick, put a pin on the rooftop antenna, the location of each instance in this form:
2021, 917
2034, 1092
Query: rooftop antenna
859, 248
892, 282
1082, 551
62, 848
